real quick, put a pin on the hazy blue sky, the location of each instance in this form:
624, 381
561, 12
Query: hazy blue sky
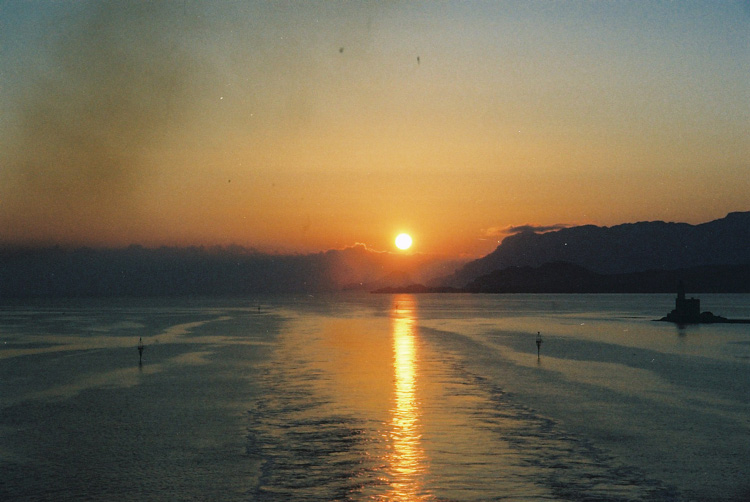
302, 126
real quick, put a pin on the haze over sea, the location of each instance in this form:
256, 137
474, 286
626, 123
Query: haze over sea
373, 397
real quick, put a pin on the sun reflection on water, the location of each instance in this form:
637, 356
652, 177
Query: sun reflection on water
407, 461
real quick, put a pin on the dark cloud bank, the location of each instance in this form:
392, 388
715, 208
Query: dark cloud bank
138, 271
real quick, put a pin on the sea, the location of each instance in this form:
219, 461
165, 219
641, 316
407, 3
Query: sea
367, 397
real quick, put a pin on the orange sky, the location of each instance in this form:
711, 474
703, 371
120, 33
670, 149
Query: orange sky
298, 127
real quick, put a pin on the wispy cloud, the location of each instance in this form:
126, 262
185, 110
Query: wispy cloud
517, 229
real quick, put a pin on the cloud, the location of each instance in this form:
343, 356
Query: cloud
518, 229
234, 270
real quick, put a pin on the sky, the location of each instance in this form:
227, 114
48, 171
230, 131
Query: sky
297, 127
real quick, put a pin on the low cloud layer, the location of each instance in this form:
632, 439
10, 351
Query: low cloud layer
234, 270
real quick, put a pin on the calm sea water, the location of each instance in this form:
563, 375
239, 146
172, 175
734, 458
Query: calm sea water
374, 397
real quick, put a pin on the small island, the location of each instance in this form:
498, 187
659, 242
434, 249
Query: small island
688, 311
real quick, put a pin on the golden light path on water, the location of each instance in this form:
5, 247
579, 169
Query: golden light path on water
407, 462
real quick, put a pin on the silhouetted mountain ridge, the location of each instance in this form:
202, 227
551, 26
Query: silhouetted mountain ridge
626, 248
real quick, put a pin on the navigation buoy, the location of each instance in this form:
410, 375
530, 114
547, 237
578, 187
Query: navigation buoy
538, 344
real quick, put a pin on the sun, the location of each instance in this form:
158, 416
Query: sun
403, 241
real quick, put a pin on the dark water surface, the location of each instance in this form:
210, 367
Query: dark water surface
374, 397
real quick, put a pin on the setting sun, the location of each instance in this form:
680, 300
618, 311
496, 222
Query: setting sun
403, 241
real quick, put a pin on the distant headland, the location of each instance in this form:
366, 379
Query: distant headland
651, 248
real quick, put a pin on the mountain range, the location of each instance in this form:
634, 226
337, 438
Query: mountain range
622, 249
